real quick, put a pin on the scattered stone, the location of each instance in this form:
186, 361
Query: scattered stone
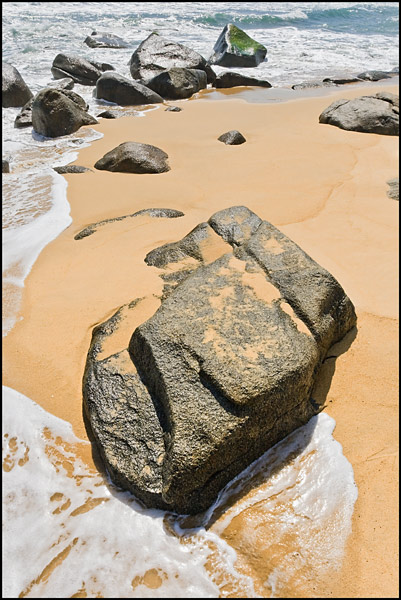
157, 54
312, 84
393, 192
367, 114
234, 48
221, 372
133, 157
116, 88
5, 166
173, 109
341, 80
71, 169
232, 138
374, 75
232, 79
15, 91
57, 112
104, 40
78, 69
107, 114
178, 83
168, 213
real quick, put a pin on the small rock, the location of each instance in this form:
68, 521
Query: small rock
107, 114
71, 169
173, 109
231, 79
232, 138
5, 166
393, 192
133, 157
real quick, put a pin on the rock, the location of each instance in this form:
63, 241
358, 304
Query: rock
133, 157
234, 48
367, 114
312, 84
107, 114
24, 117
341, 80
395, 70
220, 373
374, 75
157, 54
178, 83
173, 109
62, 84
232, 138
232, 79
104, 40
15, 91
78, 69
393, 192
71, 169
116, 88
5, 166
57, 112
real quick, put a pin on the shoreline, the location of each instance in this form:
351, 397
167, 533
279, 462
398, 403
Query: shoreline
323, 187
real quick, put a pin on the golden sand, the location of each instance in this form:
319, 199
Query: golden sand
323, 187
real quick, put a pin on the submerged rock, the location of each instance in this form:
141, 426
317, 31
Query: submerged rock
15, 91
221, 372
232, 138
125, 92
234, 48
133, 157
157, 54
59, 112
367, 114
178, 83
104, 40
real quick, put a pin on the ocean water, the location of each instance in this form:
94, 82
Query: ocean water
67, 531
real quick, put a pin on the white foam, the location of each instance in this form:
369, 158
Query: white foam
53, 548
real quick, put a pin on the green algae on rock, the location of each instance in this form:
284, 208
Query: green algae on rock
234, 48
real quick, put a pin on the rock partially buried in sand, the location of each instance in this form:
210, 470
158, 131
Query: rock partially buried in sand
15, 91
133, 157
231, 79
234, 48
66, 169
125, 92
232, 138
59, 112
221, 372
367, 114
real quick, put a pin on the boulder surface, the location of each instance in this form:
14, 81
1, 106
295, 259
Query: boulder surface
80, 70
231, 79
178, 83
59, 112
125, 92
221, 372
367, 114
15, 91
234, 48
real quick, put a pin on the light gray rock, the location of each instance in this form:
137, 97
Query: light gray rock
15, 91
367, 114
104, 40
116, 88
374, 75
133, 157
235, 48
393, 192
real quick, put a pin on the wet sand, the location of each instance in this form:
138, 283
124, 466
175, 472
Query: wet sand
323, 187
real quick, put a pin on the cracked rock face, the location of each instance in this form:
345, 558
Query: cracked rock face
224, 368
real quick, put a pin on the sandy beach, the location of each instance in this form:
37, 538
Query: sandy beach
326, 189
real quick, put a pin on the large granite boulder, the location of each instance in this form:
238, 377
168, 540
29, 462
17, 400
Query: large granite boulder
231, 79
24, 117
221, 372
133, 157
15, 91
367, 114
125, 92
104, 40
80, 70
234, 48
157, 54
178, 83
59, 112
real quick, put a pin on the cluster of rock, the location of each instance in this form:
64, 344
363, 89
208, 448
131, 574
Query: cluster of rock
183, 409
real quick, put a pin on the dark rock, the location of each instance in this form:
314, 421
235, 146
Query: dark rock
341, 80
220, 373
104, 40
62, 84
24, 117
313, 84
133, 157
173, 109
116, 88
190, 245
15, 91
107, 114
367, 114
71, 169
374, 75
232, 79
78, 69
178, 83
168, 213
5, 166
234, 48
232, 138
393, 192
157, 54
58, 112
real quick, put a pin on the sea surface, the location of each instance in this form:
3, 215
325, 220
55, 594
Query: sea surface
56, 512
